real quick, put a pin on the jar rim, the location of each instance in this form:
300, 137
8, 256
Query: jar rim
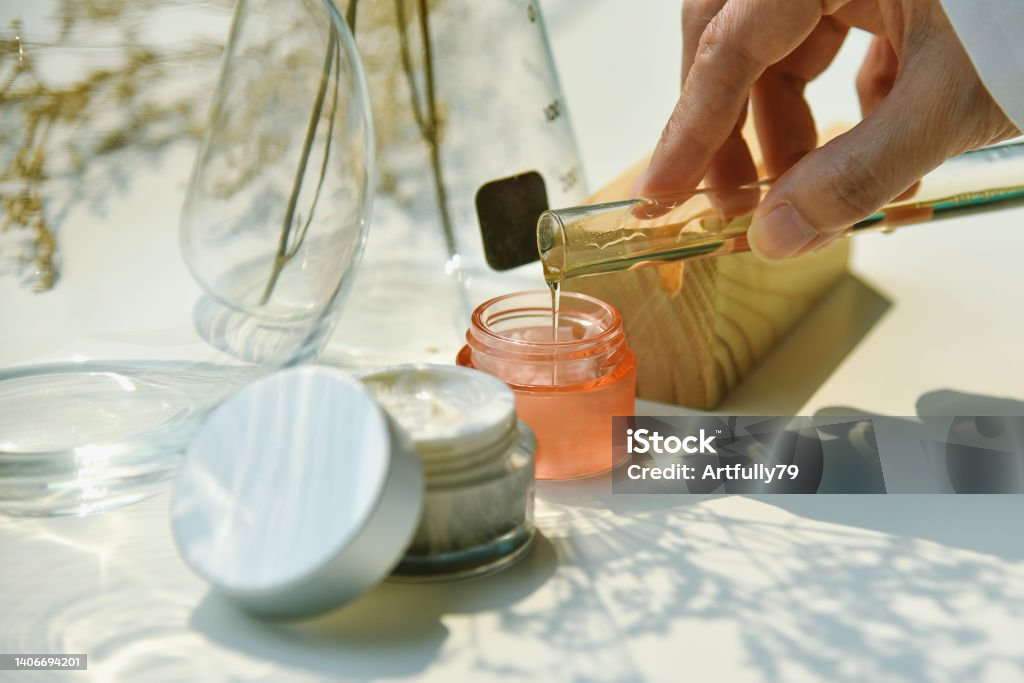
610, 331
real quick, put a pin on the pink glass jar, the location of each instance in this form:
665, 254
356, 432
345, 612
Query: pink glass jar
567, 389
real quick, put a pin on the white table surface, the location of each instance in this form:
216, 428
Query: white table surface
630, 588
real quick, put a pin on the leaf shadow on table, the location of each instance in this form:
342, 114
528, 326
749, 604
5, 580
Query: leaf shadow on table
796, 594
824, 588
695, 587
396, 630
979, 523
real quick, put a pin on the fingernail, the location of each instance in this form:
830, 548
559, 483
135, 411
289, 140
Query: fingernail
780, 233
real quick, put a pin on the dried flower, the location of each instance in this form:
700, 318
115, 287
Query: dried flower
54, 131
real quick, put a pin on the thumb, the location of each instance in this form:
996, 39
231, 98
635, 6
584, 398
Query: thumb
857, 173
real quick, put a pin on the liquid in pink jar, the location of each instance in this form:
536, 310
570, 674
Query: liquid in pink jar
567, 386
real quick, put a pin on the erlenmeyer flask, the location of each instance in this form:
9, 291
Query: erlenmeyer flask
142, 323
463, 92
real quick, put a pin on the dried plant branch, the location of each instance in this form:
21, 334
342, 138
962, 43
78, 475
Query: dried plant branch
350, 16
59, 134
426, 112
284, 253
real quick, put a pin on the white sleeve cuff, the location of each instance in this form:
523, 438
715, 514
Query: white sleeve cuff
993, 34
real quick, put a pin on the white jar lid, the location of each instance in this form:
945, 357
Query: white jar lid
297, 495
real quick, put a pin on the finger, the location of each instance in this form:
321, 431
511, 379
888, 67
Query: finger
738, 44
862, 14
697, 14
732, 167
732, 164
785, 125
855, 174
875, 80
877, 75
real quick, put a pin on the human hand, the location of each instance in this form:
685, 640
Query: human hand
921, 98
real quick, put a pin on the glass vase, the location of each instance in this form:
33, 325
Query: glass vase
123, 325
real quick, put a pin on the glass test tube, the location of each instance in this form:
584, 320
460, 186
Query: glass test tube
600, 238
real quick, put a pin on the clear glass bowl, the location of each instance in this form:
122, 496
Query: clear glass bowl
125, 317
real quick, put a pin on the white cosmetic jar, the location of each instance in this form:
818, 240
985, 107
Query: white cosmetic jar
477, 461
301, 492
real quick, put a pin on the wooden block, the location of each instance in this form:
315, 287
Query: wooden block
698, 328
